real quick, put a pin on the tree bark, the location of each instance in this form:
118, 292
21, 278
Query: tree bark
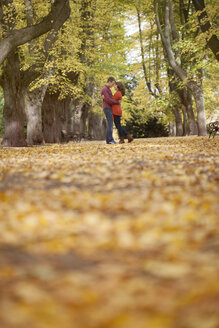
186, 128
77, 111
57, 117
83, 119
33, 111
59, 13
96, 126
178, 121
186, 99
14, 104
198, 95
50, 119
173, 89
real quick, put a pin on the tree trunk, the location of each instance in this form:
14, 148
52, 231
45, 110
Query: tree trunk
197, 92
57, 116
178, 121
186, 128
67, 114
50, 123
96, 126
14, 104
33, 110
83, 120
186, 99
77, 110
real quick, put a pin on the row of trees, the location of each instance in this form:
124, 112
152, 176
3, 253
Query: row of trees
179, 52
51, 79
56, 55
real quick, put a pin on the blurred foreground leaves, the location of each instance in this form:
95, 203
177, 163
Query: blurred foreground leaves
103, 236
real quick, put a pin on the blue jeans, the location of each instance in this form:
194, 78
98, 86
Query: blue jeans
109, 118
122, 131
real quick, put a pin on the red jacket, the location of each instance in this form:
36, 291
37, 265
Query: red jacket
117, 109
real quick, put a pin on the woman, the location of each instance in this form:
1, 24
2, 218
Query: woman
117, 113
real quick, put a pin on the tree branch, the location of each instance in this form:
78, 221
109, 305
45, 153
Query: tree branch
165, 37
59, 13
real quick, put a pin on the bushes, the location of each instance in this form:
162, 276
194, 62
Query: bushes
150, 127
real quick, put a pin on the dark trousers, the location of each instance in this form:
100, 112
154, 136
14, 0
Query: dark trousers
122, 131
109, 118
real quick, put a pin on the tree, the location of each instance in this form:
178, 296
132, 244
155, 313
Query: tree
15, 82
194, 85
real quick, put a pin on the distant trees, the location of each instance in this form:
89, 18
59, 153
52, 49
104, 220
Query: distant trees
175, 63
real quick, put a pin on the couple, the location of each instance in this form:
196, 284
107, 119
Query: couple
113, 111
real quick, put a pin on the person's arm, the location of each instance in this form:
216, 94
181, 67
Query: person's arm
108, 99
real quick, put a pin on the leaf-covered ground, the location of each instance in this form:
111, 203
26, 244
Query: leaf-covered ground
104, 236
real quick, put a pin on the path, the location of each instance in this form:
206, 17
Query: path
103, 236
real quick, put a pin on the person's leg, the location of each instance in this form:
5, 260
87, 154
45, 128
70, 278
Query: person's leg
117, 120
125, 133
109, 132
117, 124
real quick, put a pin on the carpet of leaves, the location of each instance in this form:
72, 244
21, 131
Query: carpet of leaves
110, 236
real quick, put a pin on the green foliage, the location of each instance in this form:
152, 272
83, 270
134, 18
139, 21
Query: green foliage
141, 126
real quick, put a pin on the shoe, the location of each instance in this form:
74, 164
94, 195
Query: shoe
112, 142
121, 140
129, 137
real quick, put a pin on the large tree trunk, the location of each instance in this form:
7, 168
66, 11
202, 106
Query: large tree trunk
33, 110
77, 111
57, 116
97, 126
186, 99
14, 103
67, 121
50, 119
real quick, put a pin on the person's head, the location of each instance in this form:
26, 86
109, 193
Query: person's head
120, 87
111, 81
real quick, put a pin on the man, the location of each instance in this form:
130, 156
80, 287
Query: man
107, 102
